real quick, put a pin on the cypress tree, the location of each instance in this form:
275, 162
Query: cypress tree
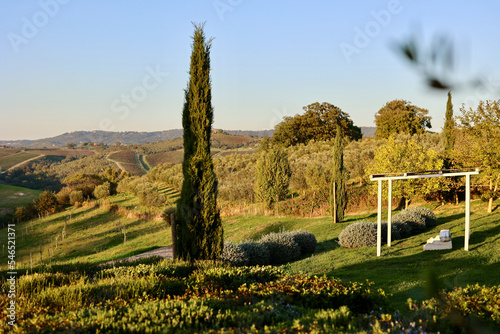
449, 125
198, 224
338, 193
273, 174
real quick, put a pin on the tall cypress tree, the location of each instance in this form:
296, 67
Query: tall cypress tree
198, 224
338, 193
449, 125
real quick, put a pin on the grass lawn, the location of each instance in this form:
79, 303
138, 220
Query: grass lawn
12, 197
94, 235
404, 270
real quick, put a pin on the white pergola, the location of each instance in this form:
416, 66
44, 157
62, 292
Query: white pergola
419, 175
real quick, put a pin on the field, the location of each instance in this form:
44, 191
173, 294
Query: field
12, 197
63, 152
9, 161
174, 157
127, 161
8, 151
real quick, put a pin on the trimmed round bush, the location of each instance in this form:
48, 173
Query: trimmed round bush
364, 234
256, 253
358, 234
281, 246
415, 221
233, 254
429, 216
402, 227
306, 240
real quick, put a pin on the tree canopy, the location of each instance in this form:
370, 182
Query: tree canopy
400, 116
477, 144
319, 122
406, 154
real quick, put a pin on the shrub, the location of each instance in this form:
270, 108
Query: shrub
364, 234
256, 253
415, 221
429, 216
282, 247
233, 254
306, 240
358, 234
402, 227
75, 196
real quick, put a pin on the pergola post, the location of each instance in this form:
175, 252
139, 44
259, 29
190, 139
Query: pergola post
467, 212
379, 218
389, 212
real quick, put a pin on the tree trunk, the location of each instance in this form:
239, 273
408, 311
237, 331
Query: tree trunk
490, 205
407, 203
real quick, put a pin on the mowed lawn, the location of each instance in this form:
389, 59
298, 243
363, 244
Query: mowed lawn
404, 270
94, 235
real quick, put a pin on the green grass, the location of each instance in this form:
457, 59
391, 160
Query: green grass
403, 269
93, 237
7, 162
12, 197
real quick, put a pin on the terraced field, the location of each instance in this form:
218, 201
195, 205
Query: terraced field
126, 160
11, 160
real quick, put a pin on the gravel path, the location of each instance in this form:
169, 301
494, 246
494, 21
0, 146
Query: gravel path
165, 252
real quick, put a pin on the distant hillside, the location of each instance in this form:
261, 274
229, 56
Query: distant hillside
130, 137
111, 138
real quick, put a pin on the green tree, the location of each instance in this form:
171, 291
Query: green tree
454, 183
319, 122
449, 127
400, 116
76, 196
47, 203
477, 144
402, 154
198, 222
272, 176
102, 191
338, 193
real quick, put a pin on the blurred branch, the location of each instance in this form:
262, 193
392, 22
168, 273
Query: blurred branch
435, 63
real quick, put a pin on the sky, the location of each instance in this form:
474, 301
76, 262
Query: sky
122, 65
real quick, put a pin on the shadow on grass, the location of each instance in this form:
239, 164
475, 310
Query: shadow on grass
274, 227
418, 275
327, 245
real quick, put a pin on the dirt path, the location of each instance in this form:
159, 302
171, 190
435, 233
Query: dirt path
22, 163
164, 252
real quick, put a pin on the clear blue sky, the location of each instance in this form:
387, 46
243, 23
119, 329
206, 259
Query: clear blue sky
68, 65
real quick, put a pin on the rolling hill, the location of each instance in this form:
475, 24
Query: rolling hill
130, 137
